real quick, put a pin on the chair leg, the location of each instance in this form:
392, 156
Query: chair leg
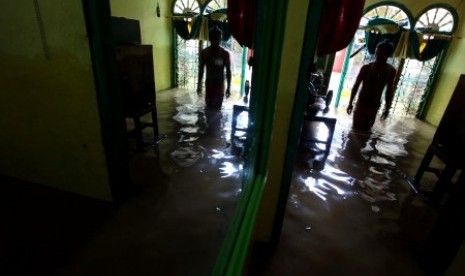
331, 124
138, 134
423, 167
443, 184
156, 134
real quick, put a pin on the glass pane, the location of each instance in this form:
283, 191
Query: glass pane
186, 7
389, 12
412, 84
436, 20
187, 63
215, 5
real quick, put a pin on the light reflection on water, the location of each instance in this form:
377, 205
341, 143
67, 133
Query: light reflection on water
186, 119
228, 169
200, 137
364, 165
361, 164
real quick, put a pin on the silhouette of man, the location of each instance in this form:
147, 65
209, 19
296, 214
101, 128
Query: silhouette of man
374, 77
217, 60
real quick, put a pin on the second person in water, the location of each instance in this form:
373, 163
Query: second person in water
373, 77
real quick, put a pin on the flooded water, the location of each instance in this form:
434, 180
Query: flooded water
357, 214
197, 137
197, 154
361, 164
192, 181
364, 165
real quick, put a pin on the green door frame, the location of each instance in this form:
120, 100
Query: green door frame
268, 41
307, 57
110, 102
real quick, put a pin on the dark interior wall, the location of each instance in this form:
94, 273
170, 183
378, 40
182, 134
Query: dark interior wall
51, 132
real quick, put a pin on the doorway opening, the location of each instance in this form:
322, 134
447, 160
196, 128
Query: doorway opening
189, 21
193, 177
420, 44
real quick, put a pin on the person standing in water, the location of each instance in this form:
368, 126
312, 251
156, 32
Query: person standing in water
374, 77
217, 60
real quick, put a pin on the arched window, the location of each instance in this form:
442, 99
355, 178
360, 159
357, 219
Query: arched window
434, 28
216, 12
388, 10
385, 20
214, 5
437, 18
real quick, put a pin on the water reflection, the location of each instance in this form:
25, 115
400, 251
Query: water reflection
195, 124
203, 182
321, 188
362, 164
186, 156
228, 169
200, 137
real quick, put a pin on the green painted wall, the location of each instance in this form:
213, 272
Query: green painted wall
453, 68
156, 31
453, 63
50, 130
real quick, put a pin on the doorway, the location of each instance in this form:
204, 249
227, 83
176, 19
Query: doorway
417, 61
191, 182
189, 20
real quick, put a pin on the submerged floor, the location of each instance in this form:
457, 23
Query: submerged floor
357, 216
360, 215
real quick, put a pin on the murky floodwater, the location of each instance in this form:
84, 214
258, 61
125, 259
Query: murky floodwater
361, 164
357, 214
343, 213
195, 180
197, 136
364, 165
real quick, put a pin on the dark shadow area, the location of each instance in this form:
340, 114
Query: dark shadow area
43, 227
447, 234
